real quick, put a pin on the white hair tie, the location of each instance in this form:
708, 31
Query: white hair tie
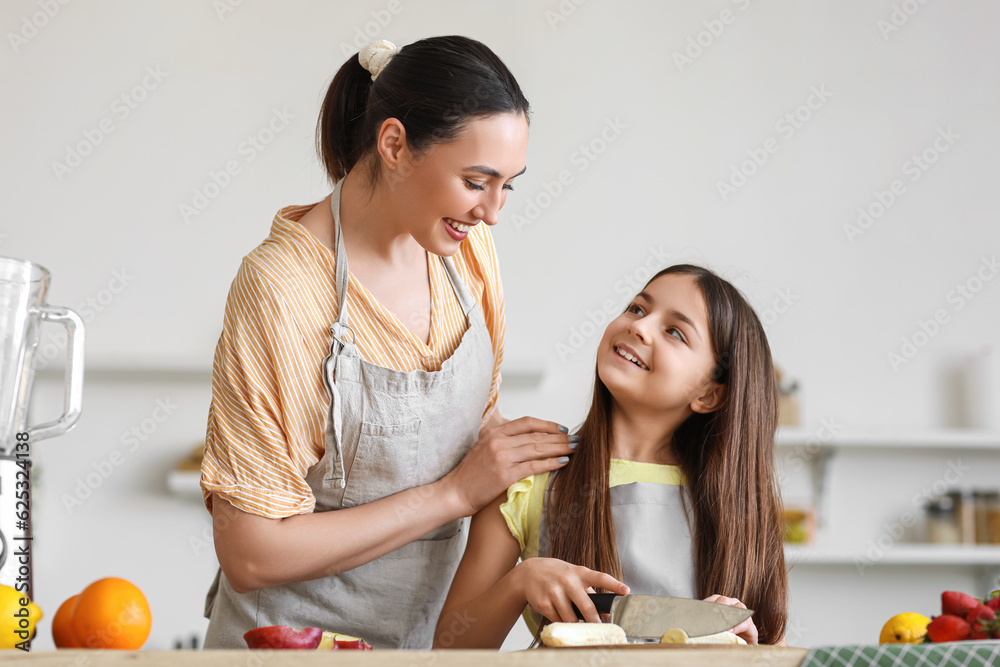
374, 56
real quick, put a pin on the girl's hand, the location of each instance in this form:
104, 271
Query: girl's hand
551, 586
747, 630
503, 455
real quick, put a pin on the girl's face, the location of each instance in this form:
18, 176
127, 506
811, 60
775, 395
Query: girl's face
460, 183
665, 331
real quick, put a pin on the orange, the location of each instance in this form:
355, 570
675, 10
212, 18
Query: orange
112, 613
62, 625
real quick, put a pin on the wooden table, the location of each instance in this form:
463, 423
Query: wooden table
757, 656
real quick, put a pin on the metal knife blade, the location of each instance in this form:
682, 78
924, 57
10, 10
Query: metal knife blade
647, 617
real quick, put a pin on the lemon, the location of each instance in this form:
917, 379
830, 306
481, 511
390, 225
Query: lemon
907, 628
10, 604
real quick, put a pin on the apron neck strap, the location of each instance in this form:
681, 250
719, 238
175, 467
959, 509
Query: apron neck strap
343, 273
465, 298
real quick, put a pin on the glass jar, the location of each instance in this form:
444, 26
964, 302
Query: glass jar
987, 517
965, 514
942, 522
979, 503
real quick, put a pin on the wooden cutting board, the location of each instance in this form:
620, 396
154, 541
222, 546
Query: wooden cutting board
640, 656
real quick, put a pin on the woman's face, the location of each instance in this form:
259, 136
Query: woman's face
665, 331
461, 182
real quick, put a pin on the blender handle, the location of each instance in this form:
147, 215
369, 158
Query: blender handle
74, 373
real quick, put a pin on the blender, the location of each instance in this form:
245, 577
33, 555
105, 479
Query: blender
23, 288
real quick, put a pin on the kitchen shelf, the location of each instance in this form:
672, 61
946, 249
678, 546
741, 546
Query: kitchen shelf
899, 554
516, 375
816, 445
889, 439
186, 483
124, 370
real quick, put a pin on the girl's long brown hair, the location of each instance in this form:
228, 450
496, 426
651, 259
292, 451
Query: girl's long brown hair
727, 457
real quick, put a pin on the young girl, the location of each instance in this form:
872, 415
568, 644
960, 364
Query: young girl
671, 489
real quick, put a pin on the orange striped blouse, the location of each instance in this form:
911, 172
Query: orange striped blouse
267, 419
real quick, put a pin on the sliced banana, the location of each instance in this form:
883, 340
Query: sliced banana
678, 636
582, 634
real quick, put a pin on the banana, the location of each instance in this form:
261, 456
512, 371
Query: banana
678, 636
582, 634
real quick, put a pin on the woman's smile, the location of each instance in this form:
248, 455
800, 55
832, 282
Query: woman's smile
458, 229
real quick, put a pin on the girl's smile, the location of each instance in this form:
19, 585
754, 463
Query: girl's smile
631, 356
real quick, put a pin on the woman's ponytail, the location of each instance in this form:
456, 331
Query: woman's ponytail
340, 132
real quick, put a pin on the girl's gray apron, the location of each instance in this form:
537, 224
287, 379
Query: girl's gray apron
386, 431
653, 534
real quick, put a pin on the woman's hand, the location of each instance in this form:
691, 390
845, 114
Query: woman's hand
504, 454
551, 586
747, 630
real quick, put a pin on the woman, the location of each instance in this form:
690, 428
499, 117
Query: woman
353, 422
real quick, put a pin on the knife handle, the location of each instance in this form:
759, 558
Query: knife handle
601, 600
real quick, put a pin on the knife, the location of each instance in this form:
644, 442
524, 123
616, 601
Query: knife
647, 617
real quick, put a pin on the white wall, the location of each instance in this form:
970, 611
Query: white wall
648, 199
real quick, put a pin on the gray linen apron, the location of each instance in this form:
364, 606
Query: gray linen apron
386, 431
653, 534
